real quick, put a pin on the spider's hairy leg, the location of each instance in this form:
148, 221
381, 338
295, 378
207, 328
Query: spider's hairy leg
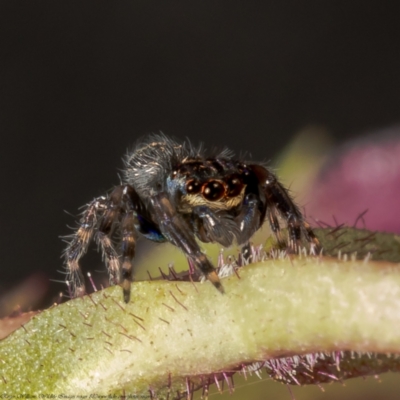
275, 226
278, 198
175, 229
312, 238
295, 220
135, 220
77, 247
111, 213
128, 252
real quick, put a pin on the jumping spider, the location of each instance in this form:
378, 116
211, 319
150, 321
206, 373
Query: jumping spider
173, 192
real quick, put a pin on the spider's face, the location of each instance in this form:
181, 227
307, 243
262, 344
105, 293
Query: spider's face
216, 184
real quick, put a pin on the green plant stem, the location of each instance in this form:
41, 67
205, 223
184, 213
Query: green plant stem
173, 330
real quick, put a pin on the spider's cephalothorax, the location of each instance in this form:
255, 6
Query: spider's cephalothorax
173, 192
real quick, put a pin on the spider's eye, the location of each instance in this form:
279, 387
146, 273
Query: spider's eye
235, 185
213, 190
193, 187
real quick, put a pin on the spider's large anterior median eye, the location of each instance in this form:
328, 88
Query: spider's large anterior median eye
213, 190
235, 185
193, 187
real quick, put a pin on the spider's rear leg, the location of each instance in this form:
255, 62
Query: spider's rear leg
280, 198
296, 227
315, 245
275, 226
112, 211
128, 252
79, 244
277, 198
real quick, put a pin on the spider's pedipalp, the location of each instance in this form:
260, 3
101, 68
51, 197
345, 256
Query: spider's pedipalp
178, 232
249, 219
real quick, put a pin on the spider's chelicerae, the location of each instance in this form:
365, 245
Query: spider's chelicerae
174, 192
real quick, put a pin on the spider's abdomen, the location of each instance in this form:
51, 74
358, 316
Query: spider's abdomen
149, 165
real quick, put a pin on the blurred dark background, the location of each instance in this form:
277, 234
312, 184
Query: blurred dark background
80, 82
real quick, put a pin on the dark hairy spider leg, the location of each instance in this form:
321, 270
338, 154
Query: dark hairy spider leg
310, 235
130, 224
275, 226
79, 244
134, 221
112, 211
278, 199
175, 229
128, 252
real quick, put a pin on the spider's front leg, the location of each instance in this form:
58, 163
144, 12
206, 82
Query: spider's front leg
175, 229
279, 201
